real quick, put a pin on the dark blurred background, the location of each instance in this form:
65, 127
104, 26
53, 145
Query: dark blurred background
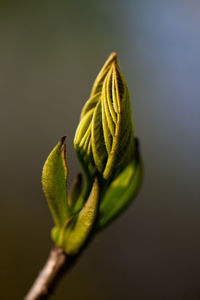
50, 53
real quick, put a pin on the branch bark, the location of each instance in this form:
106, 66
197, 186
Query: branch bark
57, 264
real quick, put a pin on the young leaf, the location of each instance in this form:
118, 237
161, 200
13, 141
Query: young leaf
54, 177
77, 230
121, 192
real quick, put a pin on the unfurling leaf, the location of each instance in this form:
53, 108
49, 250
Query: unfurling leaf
121, 191
104, 138
54, 177
75, 232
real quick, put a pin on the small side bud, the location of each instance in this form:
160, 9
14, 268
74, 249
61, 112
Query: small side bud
75, 191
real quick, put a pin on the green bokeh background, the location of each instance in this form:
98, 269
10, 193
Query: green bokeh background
50, 53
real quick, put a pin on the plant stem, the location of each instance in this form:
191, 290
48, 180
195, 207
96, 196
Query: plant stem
57, 264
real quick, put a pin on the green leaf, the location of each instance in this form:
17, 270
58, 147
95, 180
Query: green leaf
54, 177
76, 231
121, 192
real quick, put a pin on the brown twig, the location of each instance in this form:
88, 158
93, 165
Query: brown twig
57, 264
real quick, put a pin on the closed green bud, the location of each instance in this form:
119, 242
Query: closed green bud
104, 139
111, 162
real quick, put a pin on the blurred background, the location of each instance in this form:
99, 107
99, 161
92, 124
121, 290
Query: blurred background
50, 54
